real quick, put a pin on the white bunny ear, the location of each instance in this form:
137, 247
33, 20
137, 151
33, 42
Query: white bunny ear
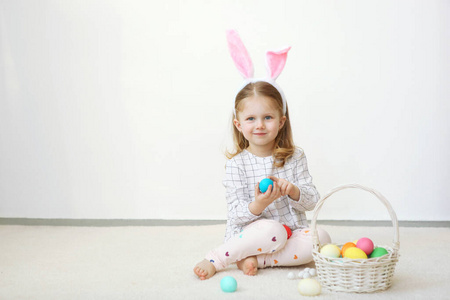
239, 54
275, 61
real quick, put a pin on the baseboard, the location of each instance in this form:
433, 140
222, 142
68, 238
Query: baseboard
159, 222
106, 222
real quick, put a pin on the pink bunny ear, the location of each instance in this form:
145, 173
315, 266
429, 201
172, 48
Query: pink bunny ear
239, 54
275, 62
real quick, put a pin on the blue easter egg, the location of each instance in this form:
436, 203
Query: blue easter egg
228, 284
264, 184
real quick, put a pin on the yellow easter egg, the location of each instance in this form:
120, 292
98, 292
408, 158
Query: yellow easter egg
309, 287
330, 250
346, 246
355, 253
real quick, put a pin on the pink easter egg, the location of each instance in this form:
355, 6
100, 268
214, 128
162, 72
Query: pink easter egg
365, 244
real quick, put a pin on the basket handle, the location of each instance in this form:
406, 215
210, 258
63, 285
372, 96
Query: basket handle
386, 203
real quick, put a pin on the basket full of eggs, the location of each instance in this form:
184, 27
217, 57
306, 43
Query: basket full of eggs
358, 266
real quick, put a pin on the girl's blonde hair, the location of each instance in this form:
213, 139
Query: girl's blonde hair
284, 143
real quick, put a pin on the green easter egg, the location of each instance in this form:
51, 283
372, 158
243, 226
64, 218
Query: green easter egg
377, 252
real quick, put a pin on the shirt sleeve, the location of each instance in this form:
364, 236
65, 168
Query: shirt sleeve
237, 195
309, 196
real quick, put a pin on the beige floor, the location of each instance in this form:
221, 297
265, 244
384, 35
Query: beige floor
45, 262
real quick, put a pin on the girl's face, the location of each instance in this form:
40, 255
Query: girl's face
259, 122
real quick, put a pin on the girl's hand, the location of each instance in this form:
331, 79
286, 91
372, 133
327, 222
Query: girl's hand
287, 188
262, 200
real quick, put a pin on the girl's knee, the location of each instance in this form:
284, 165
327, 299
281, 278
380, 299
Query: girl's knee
267, 226
267, 232
324, 237
278, 235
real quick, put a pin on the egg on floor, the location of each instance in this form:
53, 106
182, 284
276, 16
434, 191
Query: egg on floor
309, 287
291, 275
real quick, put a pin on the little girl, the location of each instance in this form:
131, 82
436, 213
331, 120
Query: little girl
256, 236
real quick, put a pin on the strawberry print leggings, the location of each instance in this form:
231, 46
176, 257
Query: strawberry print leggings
268, 241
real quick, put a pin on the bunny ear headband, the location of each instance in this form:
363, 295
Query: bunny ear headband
275, 61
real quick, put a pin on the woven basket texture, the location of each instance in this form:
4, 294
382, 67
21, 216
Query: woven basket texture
356, 275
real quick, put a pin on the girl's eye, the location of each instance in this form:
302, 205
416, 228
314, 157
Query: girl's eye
250, 119
268, 117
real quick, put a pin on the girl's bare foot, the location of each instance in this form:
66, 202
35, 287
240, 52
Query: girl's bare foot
204, 269
248, 265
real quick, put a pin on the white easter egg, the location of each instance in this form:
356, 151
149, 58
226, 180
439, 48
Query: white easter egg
306, 275
300, 274
309, 287
312, 272
291, 275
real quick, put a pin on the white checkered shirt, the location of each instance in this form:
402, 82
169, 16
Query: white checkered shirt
245, 170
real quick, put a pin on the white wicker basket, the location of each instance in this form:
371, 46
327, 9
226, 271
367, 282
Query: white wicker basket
356, 275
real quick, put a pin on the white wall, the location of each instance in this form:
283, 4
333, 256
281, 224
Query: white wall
121, 109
